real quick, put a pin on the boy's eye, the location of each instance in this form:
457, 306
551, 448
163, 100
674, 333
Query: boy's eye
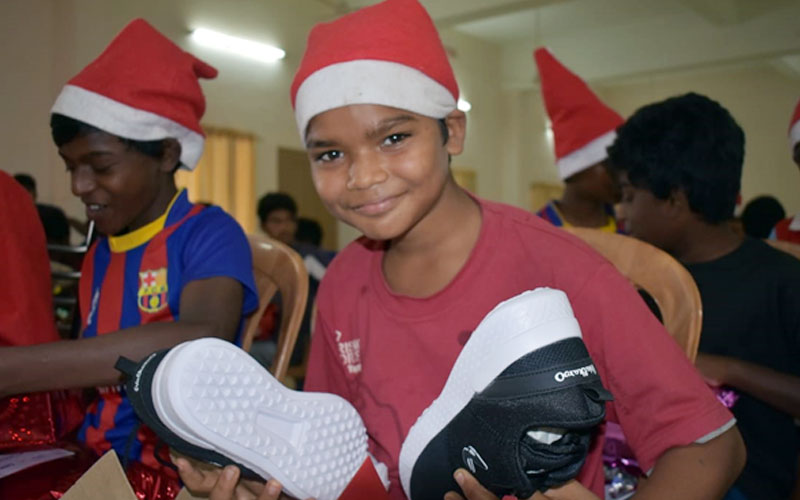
394, 139
100, 167
328, 156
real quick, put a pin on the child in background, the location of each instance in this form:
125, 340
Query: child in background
681, 164
375, 102
583, 126
789, 229
167, 270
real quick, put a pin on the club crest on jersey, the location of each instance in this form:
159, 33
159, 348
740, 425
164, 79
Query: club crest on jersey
153, 290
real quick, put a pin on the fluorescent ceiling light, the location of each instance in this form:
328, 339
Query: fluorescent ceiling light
247, 48
464, 105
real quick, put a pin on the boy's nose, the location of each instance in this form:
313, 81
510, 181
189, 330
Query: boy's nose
82, 181
366, 171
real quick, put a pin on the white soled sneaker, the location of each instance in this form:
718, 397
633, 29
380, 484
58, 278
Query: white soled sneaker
212, 401
518, 408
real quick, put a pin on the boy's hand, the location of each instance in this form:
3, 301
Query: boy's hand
223, 484
474, 491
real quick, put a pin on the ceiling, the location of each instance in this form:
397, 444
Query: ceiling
618, 39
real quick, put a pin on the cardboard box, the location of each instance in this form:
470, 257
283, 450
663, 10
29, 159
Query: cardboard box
106, 480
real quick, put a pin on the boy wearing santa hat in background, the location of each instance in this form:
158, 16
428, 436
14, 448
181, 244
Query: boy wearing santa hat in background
166, 270
583, 127
789, 229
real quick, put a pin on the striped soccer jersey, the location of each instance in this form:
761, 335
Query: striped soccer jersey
551, 214
136, 279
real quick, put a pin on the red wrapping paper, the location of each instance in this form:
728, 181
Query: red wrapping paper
26, 420
38, 419
152, 484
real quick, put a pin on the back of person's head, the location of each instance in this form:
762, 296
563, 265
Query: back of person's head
583, 126
28, 182
142, 88
271, 202
688, 143
308, 231
760, 215
56, 226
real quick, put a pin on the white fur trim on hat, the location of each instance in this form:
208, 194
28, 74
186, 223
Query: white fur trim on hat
795, 224
370, 82
794, 134
127, 122
590, 154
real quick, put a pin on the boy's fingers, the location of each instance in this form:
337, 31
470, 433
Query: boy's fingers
572, 490
471, 487
225, 489
195, 480
271, 491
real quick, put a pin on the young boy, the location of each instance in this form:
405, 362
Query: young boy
681, 164
167, 270
582, 129
375, 102
789, 229
277, 213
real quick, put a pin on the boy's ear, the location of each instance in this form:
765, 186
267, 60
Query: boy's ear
678, 203
456, 123
172, 155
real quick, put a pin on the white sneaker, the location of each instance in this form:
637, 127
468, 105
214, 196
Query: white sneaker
518, 408
214, 402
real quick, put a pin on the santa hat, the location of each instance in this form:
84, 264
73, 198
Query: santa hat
794, 127
583, 127
142, 87
388, 54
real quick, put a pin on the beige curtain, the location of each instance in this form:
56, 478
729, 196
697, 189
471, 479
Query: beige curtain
225, 176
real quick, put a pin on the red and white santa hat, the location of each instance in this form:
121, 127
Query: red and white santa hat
794, 127
142, 87
583, 127
388, 54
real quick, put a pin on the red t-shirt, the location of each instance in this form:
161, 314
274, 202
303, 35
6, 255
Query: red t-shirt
390, 355
26, 295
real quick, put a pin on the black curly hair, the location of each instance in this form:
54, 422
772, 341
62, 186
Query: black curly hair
275, 201
688, 143
64, 129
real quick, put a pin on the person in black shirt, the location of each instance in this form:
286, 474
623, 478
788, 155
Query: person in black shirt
680, 164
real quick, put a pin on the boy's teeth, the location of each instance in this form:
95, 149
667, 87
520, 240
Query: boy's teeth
93, 206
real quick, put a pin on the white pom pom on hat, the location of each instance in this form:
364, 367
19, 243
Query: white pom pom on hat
794, 127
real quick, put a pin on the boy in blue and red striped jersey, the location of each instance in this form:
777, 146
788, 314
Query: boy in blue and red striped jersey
167, 270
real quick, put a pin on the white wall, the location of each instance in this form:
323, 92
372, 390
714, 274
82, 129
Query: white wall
26, 35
